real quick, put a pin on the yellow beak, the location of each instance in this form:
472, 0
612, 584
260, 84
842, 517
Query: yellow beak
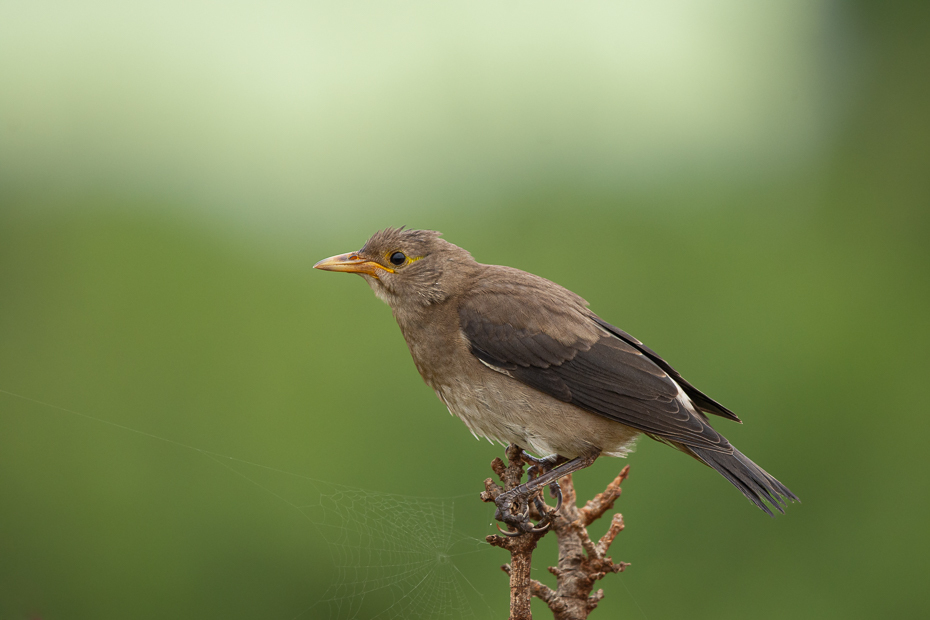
351, 263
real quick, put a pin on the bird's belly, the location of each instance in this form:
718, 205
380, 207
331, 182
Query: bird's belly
503, 410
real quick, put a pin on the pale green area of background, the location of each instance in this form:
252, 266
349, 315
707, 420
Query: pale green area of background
743, 187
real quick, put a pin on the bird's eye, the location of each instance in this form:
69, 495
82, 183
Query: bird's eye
398, 258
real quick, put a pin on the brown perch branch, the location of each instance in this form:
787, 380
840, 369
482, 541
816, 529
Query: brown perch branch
581, 561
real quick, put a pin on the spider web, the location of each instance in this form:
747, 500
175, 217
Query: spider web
391, 556
394, 556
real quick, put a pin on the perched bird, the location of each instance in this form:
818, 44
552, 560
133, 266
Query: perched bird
523, 360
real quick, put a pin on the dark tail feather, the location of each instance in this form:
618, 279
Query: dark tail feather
754, 482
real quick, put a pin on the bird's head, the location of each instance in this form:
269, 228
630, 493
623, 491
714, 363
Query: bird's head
405, 268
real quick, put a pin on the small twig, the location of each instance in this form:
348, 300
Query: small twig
616, 526
595, 508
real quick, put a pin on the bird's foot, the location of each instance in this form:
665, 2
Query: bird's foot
513, 506
513, 509
521, 495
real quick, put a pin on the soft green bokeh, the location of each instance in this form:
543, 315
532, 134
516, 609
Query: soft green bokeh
744, 188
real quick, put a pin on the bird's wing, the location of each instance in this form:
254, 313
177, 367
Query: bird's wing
700, 399
544, 336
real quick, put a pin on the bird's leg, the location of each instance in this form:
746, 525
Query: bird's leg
538, 467
524, 492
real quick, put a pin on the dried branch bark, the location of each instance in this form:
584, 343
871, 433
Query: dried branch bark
582, 562
520, 547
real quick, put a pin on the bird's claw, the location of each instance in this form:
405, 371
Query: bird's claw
505, 503
506, 533
521, 522
526, 526
546, 516
556, 491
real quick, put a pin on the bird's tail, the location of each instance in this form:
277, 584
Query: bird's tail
754, 482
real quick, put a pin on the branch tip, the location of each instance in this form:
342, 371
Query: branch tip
497, 465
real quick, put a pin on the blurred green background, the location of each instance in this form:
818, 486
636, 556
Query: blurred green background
743, 186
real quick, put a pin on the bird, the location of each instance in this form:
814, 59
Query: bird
522, 360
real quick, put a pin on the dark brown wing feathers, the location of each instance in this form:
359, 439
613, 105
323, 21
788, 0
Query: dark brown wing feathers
701, 400
544, 336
